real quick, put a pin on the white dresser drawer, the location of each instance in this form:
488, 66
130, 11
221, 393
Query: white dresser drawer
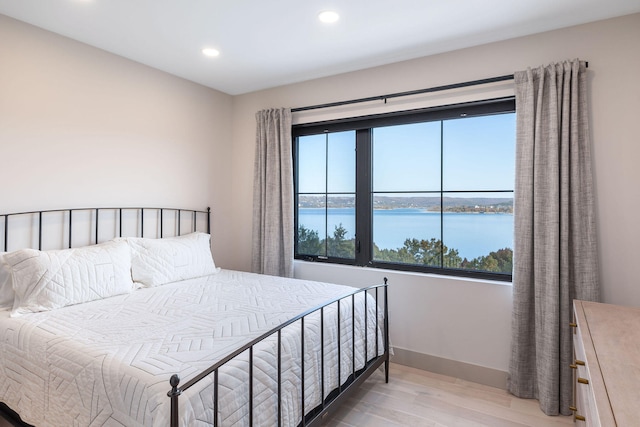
584, 399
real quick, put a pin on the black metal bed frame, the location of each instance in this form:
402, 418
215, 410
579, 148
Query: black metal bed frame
39, 216
335, 397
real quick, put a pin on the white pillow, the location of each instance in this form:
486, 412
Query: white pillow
6, 286
156, 262
45, 280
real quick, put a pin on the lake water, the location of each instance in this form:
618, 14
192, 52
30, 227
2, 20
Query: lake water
473, 235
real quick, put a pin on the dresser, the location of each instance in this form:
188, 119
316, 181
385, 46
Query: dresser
606, 344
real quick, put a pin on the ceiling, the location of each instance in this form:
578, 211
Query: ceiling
268, 43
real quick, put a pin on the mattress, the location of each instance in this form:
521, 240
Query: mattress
108, 362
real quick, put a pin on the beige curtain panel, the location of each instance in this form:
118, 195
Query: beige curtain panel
555, 255
272, 249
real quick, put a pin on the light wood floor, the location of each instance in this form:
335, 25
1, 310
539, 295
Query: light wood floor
419, 398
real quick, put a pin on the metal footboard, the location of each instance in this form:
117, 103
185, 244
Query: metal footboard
356, 377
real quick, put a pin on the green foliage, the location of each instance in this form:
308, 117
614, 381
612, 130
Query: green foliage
338, 246
427, 252
432, 252
500, 261
334, 246
308, 242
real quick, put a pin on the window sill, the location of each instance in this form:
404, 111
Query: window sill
310, 269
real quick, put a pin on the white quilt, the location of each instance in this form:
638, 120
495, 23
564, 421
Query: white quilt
108, 362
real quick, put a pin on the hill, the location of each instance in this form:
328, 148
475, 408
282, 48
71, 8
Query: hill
450, 204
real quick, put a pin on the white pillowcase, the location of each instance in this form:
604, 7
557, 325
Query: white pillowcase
156, 262
6, 286
45, 280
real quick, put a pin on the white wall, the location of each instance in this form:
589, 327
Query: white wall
80, 127
466, 320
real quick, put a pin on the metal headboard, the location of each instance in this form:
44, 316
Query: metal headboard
179, 221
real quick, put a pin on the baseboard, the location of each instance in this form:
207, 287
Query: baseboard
453, 368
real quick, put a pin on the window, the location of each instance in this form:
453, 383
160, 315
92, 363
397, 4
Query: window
428, 190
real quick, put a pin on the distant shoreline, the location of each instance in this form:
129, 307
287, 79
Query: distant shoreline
420, 209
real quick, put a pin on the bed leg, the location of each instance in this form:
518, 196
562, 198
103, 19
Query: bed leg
386, 369
386, 332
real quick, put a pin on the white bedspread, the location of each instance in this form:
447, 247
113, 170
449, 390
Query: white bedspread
108, 362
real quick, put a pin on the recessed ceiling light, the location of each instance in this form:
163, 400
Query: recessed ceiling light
328, 16
210, 52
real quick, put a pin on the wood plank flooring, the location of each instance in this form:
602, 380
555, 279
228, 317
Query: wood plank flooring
419, 398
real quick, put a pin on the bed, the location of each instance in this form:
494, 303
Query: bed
133, 324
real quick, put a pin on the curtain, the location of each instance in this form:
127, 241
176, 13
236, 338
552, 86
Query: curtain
272, 248
555, 258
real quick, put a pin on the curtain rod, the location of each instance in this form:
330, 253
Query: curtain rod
409, 93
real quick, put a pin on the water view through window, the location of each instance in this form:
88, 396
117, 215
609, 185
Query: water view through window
440, 193
472, 235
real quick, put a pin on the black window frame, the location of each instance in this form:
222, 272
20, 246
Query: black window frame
363, 126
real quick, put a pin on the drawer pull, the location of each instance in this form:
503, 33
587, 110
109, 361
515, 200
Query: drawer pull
573, 324
580, 418
583, 381
573, 408
573, 366
579, 362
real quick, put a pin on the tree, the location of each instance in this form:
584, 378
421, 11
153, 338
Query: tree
427, 252
308, 242
500, 261
338, 246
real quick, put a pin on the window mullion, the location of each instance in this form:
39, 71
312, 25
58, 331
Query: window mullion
441, 193
326, 194
364, 214
296, 196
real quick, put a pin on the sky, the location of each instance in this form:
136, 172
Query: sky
478, 155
